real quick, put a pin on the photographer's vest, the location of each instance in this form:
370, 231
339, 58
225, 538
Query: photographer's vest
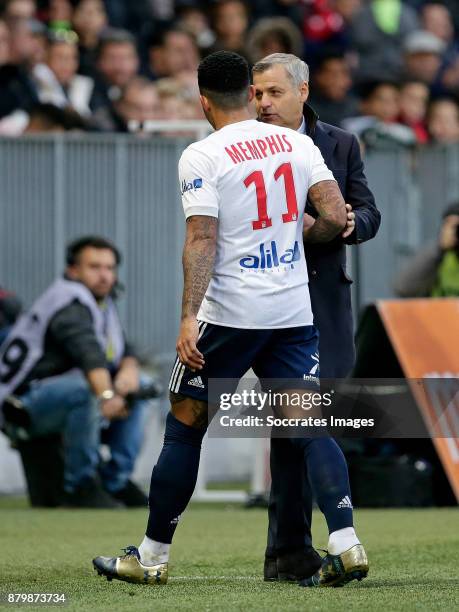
24, 346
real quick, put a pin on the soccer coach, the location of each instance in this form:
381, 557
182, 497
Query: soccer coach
281, 92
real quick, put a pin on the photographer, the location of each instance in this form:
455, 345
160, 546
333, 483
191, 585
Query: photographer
434, 271
67, 369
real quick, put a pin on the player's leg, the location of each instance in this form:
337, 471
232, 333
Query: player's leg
228, 353
174, 476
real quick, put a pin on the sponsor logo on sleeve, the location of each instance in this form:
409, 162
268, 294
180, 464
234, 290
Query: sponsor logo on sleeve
191, 185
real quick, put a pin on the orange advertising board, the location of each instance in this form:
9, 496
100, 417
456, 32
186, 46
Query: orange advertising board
425, 336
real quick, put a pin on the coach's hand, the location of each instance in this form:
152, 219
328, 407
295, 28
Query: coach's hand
186, 344
350, 223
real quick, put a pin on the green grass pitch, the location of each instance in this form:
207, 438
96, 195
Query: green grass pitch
217, 557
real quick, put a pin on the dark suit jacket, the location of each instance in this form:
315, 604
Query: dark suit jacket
329, 281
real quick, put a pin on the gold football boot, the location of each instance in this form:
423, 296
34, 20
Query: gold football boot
338, 570
130, 569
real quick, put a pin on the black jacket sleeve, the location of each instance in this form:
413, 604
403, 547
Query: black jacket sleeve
72, 329
359, 196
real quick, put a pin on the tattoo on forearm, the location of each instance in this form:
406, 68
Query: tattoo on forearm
198, 262
327, 199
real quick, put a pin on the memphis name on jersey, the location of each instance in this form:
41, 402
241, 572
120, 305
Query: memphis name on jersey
259, 148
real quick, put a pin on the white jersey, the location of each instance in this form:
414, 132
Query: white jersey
254, 177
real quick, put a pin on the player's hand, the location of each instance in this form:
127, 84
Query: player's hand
186, 344
350, 223
114, 408
127, 380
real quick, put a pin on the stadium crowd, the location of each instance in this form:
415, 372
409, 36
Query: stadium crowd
387, 70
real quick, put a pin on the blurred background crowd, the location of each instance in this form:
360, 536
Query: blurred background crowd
385, 69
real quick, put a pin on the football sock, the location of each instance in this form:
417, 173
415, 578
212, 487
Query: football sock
342, 540
328, 475
173, 478
152, 552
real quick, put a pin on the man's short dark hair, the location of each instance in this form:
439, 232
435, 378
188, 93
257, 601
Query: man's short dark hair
114, 36
224, 78
367, 89
96, 242
159, 36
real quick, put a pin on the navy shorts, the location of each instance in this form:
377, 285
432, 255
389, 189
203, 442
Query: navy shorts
229, 352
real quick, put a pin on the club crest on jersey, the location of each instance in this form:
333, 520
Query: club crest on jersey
269, 258
191, 185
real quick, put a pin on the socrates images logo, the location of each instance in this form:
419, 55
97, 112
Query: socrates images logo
269, 258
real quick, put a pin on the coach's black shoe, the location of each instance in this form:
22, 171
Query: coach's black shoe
338, 570
298, 565
270, 569
129, 568
131, 496
292, 566
91, 494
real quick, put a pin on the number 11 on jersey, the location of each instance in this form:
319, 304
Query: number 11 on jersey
256, 177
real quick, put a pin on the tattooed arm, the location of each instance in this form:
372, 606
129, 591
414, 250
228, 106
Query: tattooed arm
327, 199
198, 264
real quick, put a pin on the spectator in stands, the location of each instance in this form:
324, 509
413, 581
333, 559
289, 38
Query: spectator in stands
139, 102
230, 22
89, 21
50, 118
4, 43
274, 35
377, 34
172, 50
59, 15
19, 9
331, 96
414, 98
70, 88
74, 324
10, 308
423, 56
18, 90
378, 126
190, 91
437, 19
381, 100
434, 271
327, 25
27, 42
192, 17
179, 101
117, 63
443, 121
